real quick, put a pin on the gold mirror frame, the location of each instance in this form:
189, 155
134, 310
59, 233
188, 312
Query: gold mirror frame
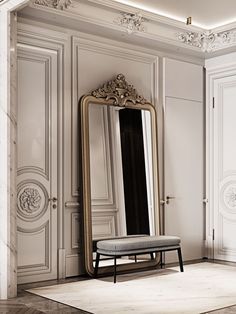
116, 92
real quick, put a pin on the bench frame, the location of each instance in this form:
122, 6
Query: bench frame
152, 250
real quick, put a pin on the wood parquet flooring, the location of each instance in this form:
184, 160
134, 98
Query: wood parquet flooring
27, 303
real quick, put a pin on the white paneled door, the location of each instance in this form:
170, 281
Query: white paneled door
184, 157
223, 166
183, 142
37, 164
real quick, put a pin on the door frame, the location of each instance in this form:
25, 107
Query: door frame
213, 72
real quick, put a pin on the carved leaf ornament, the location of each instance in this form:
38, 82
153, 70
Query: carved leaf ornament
56, 4
208, 41
119, 90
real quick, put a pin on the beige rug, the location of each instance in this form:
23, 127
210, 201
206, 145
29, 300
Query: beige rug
201, 288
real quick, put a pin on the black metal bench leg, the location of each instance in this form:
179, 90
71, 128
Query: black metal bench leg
161, 259
114, 269
96, 265
135, 258
180, 260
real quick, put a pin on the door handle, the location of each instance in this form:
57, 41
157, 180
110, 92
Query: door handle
54, 199
168, 198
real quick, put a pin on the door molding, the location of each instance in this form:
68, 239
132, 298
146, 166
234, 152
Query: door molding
213, 73
55, 43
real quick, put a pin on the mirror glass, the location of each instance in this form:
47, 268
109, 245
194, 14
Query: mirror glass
119, 169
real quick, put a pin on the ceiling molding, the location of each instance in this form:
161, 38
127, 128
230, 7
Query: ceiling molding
208, 41
109, 16
55, 4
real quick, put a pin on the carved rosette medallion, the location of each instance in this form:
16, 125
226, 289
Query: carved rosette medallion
229, 196
32, 200
119, 90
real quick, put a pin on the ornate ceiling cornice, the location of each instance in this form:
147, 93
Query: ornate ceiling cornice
208, 41
132, 22
159, 33
56, 4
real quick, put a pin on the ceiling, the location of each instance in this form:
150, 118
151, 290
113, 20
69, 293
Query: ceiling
207, 14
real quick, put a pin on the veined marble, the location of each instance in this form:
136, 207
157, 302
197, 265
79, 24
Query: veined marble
8, 279
202, 287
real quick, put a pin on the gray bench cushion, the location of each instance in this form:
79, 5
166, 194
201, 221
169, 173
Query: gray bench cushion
133, 244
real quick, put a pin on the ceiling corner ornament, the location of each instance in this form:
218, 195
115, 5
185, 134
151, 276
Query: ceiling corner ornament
132, 22
119, 90
55, 4
208, 41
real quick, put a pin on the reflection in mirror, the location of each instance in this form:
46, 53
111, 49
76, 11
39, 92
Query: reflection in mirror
119, 169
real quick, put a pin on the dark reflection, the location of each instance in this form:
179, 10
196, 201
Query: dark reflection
133, 162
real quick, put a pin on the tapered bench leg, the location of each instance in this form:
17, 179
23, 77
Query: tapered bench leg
96, 265
114, 269
161, 259
180, 260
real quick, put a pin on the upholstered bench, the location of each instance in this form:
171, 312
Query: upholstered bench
137, 245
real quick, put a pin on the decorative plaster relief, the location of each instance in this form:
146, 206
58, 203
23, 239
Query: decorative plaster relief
32, 200
208, 41
132, 22
119, 90
230, 196
56, 4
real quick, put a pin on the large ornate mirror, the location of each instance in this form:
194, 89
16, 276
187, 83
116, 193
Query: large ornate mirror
119, 169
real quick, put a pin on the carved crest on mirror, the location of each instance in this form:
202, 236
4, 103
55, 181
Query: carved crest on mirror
119, 90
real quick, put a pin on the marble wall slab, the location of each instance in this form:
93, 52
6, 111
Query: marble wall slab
8, 129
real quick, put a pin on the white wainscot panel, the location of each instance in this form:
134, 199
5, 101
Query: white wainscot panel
74, 230
227, 245
93, 63
228, 127
25, 241
103, 226
32, 126
183, 80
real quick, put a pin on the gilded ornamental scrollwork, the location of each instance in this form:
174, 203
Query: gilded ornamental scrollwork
119, 90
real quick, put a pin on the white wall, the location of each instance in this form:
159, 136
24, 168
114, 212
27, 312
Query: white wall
86, 62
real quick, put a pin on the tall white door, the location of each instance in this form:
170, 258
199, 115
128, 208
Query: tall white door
37, 164
184, 157
223, 180
183, 144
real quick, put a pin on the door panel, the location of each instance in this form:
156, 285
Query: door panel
37, 165
224, 179
183, 151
